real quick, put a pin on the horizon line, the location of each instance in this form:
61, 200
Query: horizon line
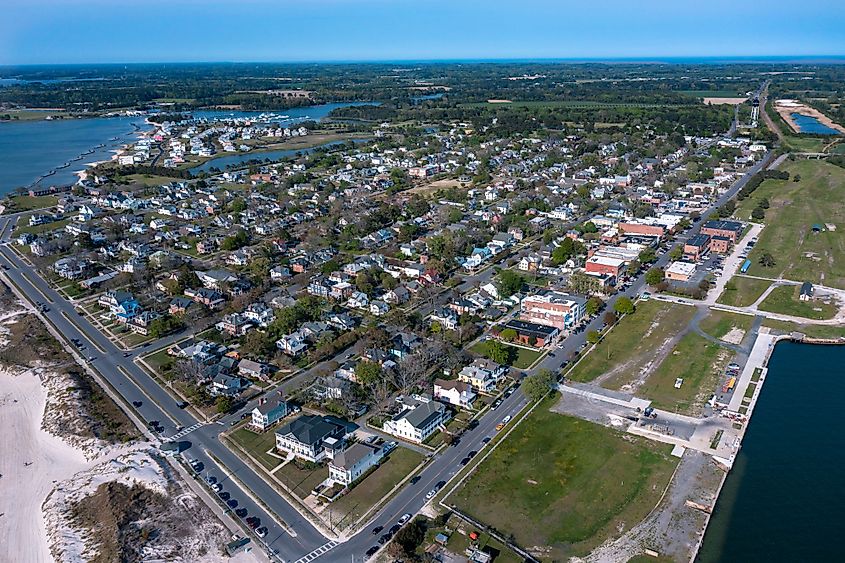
657, 59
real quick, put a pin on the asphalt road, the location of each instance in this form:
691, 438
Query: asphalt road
134, 384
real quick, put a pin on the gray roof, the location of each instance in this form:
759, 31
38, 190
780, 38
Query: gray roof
352, 455
311, 429
424, 413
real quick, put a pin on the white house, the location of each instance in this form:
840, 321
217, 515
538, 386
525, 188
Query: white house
350, 464
456, 393
420, 418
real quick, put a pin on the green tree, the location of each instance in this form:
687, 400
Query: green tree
676, 253
767, 260
367, 373
624, 306
508, 334
593, 336
498, 352
238, 205
509, 282
647, 255
758, 213
654, 276
223, 404
594, 305
537, 385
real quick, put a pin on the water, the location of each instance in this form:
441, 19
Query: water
808, 124
783, 500
222, 162
30, 149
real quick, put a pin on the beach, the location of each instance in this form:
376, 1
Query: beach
33, 461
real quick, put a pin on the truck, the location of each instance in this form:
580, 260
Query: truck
729, 385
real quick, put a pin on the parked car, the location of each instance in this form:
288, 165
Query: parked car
261, 532
377, 529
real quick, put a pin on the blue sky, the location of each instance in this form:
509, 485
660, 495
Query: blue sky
77, 31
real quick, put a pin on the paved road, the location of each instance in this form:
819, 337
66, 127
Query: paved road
134, 384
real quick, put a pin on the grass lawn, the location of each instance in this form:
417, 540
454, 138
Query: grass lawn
375, 486
800, 254
150, 179
521, 357
719, 323
160, 361
805, 144
813, 331
742, 292
566, 483
25, 203
257, 444
302, 481
784, 300
699, 362
24, 227
630, 346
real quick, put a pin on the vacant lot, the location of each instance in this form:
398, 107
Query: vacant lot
784, 300
699, 363
800, 254
25, 203
813, 331
375, 486
257, 444
562, 486
720, 323
630, 347
742, 292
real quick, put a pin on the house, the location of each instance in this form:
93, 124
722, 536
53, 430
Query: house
446, 318
209, 297
404, 344
456, 393
180, 305
234, 324
292, 344
379, 308
227, 385
482, 374
806, 292
313, 437
397, 296
112, 299
215, 279
268, 412
254, 370
420, 418
350, 464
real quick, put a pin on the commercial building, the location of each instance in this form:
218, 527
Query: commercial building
696, 247
731, 230
680, 271
553, 308
605, 265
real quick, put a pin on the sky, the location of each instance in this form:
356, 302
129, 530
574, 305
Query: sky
127, 31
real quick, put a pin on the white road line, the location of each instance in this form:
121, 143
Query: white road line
323, 549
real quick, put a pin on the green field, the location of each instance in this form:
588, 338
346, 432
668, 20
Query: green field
20, 203
784, 300
565, 483
630, 346
800, 254
521, 357
576, 104
699, 363
719, 323
742, 292
375, 485
804, 144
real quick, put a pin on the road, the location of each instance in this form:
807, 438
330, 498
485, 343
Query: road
308, 543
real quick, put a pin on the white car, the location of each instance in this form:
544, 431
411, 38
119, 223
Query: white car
404, 519
506, 419
216, 487
430, 494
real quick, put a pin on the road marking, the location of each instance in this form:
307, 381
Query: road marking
322, 550
85, 335
187, 431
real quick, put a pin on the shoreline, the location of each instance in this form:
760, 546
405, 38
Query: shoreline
785, 108
751, 407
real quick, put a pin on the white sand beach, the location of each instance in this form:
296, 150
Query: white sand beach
32, 461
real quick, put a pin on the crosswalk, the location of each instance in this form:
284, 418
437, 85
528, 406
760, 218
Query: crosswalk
186, 431
323, 549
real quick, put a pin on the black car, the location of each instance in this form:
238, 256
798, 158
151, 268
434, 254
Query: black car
372, 551
377, 529
232, 503
182, 404
465, 461
393, 529
241, 512
384, 539
136, 404
440, 485
415, 479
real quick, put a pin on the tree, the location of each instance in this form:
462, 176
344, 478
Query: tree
767, 260
508, 334
676, 253
594, 305
610, 318
593, 336
367, 373
590, 227
537, 385
509, 282
758, 213
498, 352
646, 256
624, 306
654, 276
238, 205
223, 404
